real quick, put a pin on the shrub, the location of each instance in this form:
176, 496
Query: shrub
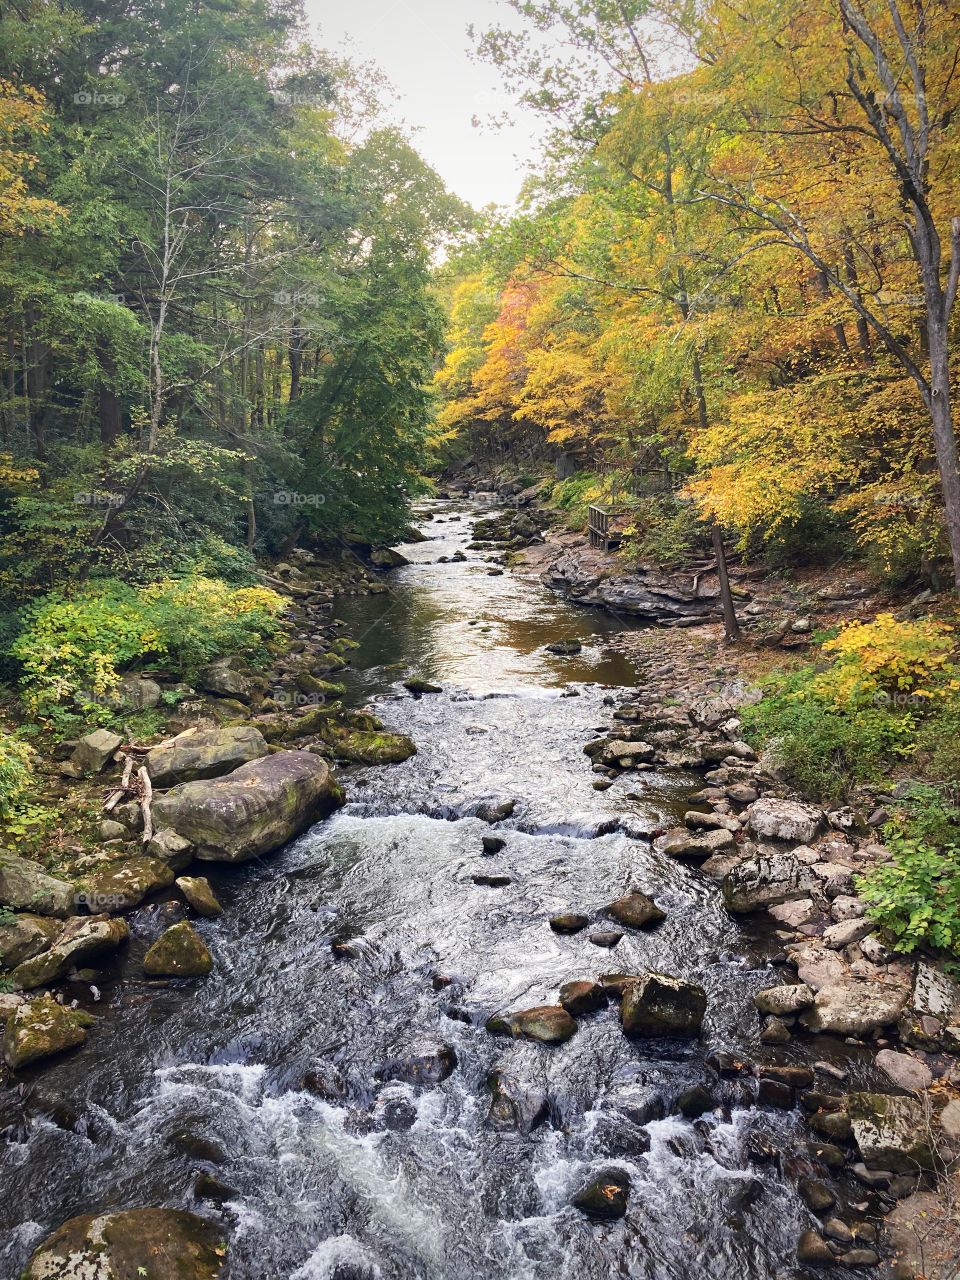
823, 750
667, 530
878, 659
16, 774
915, 899
75, 648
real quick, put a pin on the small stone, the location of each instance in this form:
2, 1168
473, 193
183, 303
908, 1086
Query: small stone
775, 1032
812, 1248
636, 911
582, 997
568, 922
771, 1093
608, 939
816, 1195
492, 881
855, 1258
492, 844
605, 1195
197, 891
838, 1230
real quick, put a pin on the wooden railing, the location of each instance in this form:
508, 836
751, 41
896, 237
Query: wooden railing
598, 527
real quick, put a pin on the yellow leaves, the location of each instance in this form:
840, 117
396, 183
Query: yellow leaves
887, 656
21, 114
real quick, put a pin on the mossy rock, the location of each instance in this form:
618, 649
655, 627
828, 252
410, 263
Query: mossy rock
312, 685
24, 937
179, 952
125, 884
418, 685
330, 662
359, 747
157, 1244
253, 810
40, 1029
83, 938
197, 891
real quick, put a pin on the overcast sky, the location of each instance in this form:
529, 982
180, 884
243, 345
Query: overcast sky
422, 47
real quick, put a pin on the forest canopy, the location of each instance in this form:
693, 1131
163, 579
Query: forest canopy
215, 272
734, 280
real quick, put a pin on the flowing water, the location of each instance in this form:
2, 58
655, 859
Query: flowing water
375, 1175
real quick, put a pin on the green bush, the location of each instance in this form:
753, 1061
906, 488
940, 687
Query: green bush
938, 742
667, 530
16, 774
823, 749
75, 648
915, 899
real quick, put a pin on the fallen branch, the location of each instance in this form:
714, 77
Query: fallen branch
145, 804
118, 795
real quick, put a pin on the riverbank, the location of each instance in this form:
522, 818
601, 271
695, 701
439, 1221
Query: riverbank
120, 813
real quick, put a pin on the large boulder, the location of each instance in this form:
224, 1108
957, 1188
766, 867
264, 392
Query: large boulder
657, 1004
179, 952
765, 881
162, 1244
627, 755
253, 810
135, 692
124, 884
931, 1019
24, 937
892, 1131
83, 938
24, 885
41, 1028
208, 754
694, 845
855, 1007
785, 820
94, 751
226, 680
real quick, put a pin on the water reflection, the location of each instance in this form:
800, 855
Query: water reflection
457, 624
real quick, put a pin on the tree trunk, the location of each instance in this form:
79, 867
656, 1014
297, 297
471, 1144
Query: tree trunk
944, 436
730, 625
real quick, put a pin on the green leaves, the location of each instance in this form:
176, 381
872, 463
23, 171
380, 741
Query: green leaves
916, 898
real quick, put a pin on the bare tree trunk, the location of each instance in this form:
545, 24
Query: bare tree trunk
730, 625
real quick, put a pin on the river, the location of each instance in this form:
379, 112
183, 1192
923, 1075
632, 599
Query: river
375, 1175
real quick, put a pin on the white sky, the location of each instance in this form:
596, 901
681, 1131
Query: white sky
422, 45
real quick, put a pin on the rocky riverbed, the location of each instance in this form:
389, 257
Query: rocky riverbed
577, 984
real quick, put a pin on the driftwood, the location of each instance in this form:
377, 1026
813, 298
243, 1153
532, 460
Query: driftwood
145, 804
118, 795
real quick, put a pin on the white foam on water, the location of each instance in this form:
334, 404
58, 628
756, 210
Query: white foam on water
389, 1198
332, 1253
